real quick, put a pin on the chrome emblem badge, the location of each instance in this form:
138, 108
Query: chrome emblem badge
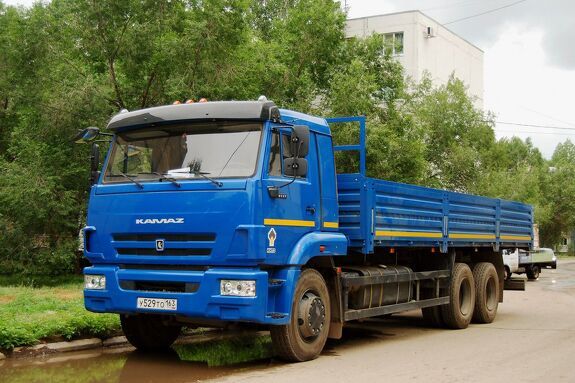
160, 245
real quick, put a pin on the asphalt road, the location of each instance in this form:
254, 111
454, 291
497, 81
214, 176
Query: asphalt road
531, 340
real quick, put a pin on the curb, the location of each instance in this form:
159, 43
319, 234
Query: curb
115, 342
71, 346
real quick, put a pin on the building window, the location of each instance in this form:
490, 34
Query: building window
393, 43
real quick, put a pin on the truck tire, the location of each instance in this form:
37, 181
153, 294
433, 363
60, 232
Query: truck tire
305, 336
148, 332
507, 274
486, 292
458, 313
533, 272
432, 315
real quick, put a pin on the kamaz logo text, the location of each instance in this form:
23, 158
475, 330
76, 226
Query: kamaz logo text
153, 221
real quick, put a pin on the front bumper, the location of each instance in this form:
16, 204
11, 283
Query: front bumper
205, 302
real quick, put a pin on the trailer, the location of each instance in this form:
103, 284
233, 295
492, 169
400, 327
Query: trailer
220, 213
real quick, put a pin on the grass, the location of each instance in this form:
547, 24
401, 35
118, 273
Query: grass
34, 309
227, 351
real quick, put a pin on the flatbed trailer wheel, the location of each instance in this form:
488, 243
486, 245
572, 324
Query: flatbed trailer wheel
458, 313
533, 272
148, 332
305, 336
486, 292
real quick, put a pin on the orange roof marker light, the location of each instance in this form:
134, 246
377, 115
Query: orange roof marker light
203, 99
177, 102
190, 101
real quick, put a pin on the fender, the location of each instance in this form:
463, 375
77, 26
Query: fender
309, 246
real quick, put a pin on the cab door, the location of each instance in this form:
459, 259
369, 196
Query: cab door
296, 211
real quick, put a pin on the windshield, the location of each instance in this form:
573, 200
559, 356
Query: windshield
186, 151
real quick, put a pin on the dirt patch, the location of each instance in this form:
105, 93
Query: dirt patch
67, 295
6, 298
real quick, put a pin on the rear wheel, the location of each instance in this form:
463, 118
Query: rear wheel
458, 313
304, 337
486, 292
533, 272
507, 273
432, 315
149, 332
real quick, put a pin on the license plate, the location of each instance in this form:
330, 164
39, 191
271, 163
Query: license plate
157, 304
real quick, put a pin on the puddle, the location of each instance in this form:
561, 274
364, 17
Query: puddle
186, 362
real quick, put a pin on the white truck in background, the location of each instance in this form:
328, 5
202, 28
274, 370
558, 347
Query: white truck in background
531, 262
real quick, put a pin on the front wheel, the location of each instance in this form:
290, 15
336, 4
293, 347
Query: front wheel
305, 335
149, 332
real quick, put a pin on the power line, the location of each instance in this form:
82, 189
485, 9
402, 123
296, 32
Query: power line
453, 5
535, 126
547, 116
485, 13
511, 132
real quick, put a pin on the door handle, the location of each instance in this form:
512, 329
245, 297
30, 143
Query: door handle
310, 210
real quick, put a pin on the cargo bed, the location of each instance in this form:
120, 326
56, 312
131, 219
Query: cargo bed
377, 213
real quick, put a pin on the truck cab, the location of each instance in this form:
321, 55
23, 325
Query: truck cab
199, 212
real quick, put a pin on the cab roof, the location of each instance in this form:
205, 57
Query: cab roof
214, 111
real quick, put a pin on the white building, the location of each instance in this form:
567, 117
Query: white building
422, 44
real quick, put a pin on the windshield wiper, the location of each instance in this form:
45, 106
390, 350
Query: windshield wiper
131, 179
203, 175
198, 173
164, 177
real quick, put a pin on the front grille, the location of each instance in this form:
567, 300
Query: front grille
174, 244
166, 287
165, 252
202, 237
162, 267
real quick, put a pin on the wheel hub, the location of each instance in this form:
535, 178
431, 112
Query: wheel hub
311, 315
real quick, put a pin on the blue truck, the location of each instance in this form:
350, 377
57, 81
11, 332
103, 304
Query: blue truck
233, 212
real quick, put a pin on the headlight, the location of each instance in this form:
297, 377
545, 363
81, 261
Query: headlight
238, 288
94, 282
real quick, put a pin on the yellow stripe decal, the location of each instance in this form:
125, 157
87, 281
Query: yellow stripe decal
331, 225
288, 222
516, 237
424, 234
471, 236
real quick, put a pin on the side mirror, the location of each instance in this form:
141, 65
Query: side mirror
295, 167
94, 163
86, 135
300, 141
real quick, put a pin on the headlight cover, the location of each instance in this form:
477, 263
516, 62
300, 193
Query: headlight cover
238, 288
94, 282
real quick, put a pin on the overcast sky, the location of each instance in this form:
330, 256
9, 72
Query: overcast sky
529, 60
